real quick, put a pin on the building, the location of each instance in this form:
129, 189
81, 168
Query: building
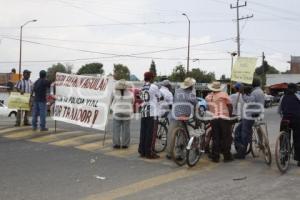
295, 65
273, 79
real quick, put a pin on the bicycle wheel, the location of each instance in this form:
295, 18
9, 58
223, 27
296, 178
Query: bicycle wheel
266, 148
253, 147
161, 138
282, 152
193, 153
179, 143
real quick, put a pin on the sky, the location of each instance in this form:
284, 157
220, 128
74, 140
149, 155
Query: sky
133, 32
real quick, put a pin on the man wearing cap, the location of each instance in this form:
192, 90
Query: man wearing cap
237, 99
220, 106
24, 86
149, 113
185, 102
253, 108
40, 89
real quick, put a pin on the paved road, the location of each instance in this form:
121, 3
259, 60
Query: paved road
74, 164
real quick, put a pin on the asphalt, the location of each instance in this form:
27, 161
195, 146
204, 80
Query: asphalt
74, 164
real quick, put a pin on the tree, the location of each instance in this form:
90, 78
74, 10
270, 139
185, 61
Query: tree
264, 69
91, 68
121, 72
178, 74
201, 76
153, 68
51, 71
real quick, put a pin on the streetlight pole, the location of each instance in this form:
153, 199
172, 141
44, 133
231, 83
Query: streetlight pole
189, 40
21, 33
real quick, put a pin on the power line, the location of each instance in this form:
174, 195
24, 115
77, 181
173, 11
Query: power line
238, 19
134, 55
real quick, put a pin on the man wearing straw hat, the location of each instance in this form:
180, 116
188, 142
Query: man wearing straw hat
185, 102
220, 105
122, 107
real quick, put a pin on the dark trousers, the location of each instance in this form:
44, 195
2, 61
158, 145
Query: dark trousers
296, 137
221, 136
147, 136
25, 121
243, 135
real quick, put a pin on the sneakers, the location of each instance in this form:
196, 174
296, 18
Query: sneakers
298, 163
44, 129
116, 146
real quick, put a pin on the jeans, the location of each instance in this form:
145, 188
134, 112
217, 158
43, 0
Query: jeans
121, 128
39, 109
243, 134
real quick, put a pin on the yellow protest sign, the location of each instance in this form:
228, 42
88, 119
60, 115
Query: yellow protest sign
19, 101
243, 70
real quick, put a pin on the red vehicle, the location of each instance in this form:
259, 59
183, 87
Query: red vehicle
137, 99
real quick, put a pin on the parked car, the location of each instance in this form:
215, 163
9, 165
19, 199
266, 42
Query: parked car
202, 104
5, 111
137, 99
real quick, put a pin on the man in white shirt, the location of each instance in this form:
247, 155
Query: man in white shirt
237, 100
166, 97
24, 86
149, 113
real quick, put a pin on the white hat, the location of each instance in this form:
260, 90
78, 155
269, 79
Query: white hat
122, 85
188, 82
215, 86
165, 83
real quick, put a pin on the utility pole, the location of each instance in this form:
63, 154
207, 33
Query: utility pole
238, 19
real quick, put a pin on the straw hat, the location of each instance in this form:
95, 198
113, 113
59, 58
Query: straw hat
188, 82
122, 85
215, 86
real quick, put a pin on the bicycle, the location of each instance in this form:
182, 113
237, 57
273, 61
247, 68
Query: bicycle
180, 140
259, 141
161, 134
198, 143
284, 147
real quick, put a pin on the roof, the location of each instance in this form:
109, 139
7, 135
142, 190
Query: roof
273, 79
295, 59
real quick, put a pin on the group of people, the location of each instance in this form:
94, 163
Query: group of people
38, 100
247, 104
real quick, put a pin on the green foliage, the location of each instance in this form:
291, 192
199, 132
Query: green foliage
91, 68
263, 70
51, 71
121, 72
178, 74
153, 68
201, 76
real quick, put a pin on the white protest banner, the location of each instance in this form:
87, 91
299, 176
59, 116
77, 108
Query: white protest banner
243, 70
83, 100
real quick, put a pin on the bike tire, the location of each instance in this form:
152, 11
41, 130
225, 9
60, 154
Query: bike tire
266, 149
193, 154
161, 138
282, 152
179, 143
253, 147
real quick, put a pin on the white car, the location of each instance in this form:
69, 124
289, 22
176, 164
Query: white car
5, 111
